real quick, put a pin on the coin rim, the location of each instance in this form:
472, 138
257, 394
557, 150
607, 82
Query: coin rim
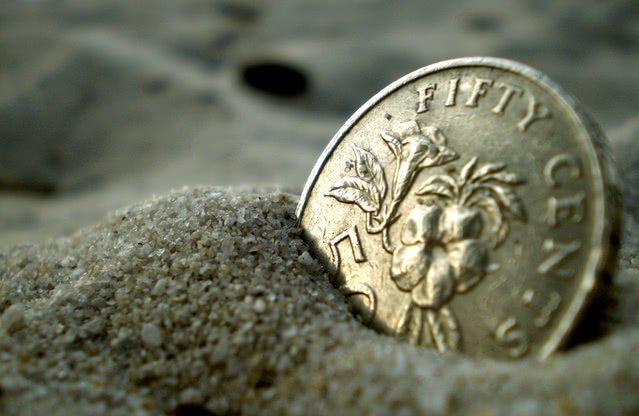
607, 184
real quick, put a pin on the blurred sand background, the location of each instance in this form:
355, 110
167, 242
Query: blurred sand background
103, 104
206, 301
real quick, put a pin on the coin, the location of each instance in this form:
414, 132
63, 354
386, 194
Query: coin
471, 206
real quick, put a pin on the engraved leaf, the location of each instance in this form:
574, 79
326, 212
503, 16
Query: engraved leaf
504, 177
436, 330
442, 185
487, 169
510, 200
453, 337
444, 329
436, 188
468, 191
355, 190
369, 169
468, 169
500, 233
392, 141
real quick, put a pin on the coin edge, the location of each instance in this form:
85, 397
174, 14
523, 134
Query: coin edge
605, 238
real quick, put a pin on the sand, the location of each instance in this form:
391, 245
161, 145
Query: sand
204, 300
208, 298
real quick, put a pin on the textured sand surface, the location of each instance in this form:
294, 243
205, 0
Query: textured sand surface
205, 300
209, 297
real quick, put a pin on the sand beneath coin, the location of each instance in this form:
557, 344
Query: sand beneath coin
207, 298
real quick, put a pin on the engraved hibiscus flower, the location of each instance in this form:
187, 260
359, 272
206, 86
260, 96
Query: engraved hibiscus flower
442, 252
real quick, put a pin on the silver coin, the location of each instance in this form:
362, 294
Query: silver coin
470, 206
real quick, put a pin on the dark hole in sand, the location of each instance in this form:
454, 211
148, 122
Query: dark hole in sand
192, 409
275, 78
238, 11
27, 186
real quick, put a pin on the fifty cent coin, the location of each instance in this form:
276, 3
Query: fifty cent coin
471, 205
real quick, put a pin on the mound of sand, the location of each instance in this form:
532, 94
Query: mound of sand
207, 298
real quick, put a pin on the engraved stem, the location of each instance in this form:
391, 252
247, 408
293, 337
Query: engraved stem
388, 216
434, 326
386, 243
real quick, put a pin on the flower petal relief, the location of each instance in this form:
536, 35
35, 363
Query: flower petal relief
444, 249
446, 239
439, 255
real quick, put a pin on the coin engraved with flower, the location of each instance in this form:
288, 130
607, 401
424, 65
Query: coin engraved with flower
418, 211
445, 241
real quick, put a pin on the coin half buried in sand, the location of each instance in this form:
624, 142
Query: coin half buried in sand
470, 205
